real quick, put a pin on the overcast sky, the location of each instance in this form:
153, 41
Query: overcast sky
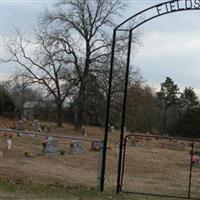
170, 45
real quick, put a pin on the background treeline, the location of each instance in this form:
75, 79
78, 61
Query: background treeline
167, 112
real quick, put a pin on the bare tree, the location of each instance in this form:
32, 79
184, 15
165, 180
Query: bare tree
73, 45
43, 63
21, 87
83, 28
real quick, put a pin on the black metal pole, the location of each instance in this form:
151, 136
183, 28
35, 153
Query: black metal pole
124, 114
123, 162
190, 175
107, 113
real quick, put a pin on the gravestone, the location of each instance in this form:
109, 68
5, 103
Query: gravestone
83, 132
20, 125
95, 145
9, 142
51, 147
45, 128
112, 129
36, 125
76, 148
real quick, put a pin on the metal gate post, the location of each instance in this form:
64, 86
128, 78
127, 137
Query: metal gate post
123, 161
99, 177
107, 113
190, 176
124, 114
157, 13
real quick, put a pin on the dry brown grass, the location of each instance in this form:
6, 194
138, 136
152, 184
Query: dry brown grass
154, 166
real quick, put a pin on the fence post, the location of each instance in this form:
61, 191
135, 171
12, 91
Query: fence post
100, 166
190, 176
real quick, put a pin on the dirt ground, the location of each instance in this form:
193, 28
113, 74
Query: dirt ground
152, 166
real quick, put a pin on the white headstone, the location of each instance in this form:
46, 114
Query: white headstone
76, 147
9, 143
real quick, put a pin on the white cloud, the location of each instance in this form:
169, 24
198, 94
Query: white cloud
171, 44
161, 43
171, 47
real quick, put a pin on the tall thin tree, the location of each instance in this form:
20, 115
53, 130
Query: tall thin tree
168, 96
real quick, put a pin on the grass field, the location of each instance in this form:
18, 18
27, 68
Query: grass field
152, 166
18, 191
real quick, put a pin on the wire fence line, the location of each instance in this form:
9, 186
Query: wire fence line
74, 162
161, 166
46, 134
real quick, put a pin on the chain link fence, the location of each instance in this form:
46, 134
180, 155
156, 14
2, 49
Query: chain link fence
161, 166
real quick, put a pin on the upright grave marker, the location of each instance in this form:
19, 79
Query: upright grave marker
51, 147
76, 147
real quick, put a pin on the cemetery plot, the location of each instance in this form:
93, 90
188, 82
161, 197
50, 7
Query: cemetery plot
64, 162
151, 165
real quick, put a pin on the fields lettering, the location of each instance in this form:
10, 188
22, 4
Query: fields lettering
197, 4
177, 5
188, 4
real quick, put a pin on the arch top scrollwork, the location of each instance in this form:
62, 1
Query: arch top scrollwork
156, 11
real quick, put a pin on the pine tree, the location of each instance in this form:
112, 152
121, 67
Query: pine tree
168, 96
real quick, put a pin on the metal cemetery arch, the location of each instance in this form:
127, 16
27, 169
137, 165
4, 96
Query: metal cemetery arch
137, 19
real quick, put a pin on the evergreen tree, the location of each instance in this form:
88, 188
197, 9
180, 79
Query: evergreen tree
188, 99
188, 124
168, 96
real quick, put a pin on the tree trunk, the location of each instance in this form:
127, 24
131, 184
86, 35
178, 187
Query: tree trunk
165, 120
59, 114
78, 120
80, 108
82, 96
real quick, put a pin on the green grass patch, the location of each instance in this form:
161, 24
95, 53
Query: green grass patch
19, 190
